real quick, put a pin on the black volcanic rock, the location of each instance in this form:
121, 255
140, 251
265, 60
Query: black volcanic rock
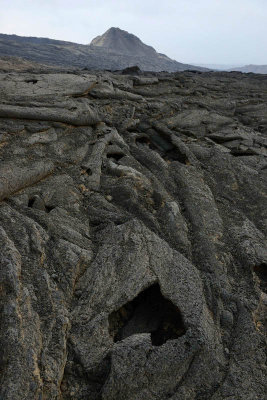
132, 235
114, 50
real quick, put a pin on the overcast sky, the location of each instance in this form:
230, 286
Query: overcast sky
192, 31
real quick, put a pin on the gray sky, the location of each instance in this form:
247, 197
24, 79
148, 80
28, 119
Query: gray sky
193, 31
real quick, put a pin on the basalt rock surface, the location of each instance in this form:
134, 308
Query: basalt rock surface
132, 232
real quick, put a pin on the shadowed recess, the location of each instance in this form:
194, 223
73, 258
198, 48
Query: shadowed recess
31, 202
164, 147
261, 271
115, 156
144, 140
149, 312
31, 81
37, 203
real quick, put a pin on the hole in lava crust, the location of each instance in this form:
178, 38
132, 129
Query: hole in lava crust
176, 155
115, 156
49, 208
31, 202
31, 81
149, 312
261, 271
142, 140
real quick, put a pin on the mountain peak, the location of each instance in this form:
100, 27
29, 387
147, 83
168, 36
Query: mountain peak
123, 42
116, 29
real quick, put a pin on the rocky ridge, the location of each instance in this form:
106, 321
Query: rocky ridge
132, 230
115, 49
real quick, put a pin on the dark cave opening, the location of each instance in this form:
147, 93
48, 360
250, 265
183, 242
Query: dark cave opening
89, 172
143, 140
149, 312
164, 147
86, 170
176, 155
49, 208
31, 202
261, 272
115, 156
37, 203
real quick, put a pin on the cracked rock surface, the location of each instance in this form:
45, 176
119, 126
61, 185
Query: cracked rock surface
132, 231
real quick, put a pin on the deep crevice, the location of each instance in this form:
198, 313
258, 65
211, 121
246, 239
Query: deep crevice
31, 202
115, 156
149, 312
261, 128
176, 155
49, 208
31, 81
89, 171
261, 272
86, 171
161, 144
143, 140
86, 383
244, 153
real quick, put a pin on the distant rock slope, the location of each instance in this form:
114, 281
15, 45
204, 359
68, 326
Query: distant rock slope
116, 49
256, 69
132, 236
